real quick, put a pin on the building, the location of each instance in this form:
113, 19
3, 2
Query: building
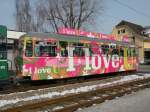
12, 42
135, 35
146, 33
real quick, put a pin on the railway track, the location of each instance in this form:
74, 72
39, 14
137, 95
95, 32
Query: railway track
72, 102
27, 85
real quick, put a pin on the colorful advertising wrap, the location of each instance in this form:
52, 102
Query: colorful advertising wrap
68, 31
42, 68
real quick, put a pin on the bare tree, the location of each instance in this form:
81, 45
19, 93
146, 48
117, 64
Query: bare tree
52, 14
68, 13
23, 16
40, 23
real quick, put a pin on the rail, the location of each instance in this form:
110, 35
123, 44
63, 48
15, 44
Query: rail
72, 102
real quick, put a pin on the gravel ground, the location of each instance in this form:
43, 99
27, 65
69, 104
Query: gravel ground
22, 98
135, 102
31, 96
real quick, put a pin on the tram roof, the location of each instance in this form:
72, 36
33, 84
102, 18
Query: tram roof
71, 38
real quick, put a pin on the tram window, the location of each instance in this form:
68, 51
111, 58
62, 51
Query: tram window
129, 52
37, 49
29, 49
121, 52
112, 46
134, 52
63, 46
90, 50
52, 50
105, 49
115, 52
45, 49
78, 51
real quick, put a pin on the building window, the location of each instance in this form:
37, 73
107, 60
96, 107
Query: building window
123, 30
133, 38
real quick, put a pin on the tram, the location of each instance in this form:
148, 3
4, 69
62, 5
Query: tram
44, 56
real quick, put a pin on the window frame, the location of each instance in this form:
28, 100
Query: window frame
31, 50
46, 51
64, 49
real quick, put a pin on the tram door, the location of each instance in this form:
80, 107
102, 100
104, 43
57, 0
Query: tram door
63, 59
126, 58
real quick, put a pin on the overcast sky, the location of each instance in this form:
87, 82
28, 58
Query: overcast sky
136, 11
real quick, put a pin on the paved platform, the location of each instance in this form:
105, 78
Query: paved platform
135, 102
144, 68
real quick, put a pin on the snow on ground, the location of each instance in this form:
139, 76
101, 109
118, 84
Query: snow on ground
70, 91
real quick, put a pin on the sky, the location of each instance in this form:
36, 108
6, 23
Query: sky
135, 11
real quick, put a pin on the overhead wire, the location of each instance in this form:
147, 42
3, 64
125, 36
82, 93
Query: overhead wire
131, 8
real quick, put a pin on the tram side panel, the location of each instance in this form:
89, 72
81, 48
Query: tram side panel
56, 67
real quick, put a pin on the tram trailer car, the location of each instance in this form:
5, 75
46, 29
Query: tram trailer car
45, 56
